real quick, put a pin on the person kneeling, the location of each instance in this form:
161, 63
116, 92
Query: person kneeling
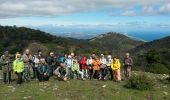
76, 70
43, 70
116, 69
60, 72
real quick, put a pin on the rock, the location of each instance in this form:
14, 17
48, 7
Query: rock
166, 93
55, 88
10, 86
29, 96
25, 98
13, 89
104, 86
164, 86
42, 90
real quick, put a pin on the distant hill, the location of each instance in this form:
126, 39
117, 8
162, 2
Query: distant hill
115, 42
160, 45
17, 38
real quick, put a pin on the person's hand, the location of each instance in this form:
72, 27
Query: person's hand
7, 62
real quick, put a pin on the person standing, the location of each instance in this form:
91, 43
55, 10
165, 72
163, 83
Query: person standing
40, 55
5, 60
51, 63
109, 61
69, 64
127, 64
102, 67
36, 62
116, 69
96, 67
18, 66
90, 69
27, 58
84, 66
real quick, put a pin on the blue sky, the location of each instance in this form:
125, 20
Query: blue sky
106, 15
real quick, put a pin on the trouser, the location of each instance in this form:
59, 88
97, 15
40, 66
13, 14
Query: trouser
101, 73
96, 74
110, 72
68, 72
52, 69
26, 73
43, 77
85, 72
56, 72
5, 76
127, 71
19, 77
35, 73
90, 73
77, 74
117, 75
104, 73
62, 72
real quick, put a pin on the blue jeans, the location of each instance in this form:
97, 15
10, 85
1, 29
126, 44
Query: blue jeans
26, 73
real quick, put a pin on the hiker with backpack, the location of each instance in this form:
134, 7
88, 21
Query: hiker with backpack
27, 58
5, 61
18, 66
127, 64
116, 69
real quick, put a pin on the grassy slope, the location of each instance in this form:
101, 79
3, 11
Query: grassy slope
82, 90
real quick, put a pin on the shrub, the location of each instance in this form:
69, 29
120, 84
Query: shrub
169, 77
157, 68
140, 82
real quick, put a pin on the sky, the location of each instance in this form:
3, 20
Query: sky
92, 16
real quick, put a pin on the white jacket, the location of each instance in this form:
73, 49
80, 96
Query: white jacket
103, 60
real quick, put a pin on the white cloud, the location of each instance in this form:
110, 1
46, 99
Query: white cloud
165, 8
148, 10
15, 8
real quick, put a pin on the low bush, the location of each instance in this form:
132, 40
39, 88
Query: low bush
140, 82
157, 68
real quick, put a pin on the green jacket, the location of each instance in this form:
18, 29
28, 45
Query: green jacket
6, 63
18, 66
44, 68
75, 67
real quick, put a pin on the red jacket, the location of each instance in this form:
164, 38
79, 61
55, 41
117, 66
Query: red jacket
83, 63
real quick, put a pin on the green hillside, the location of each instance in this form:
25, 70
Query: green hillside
17, 38
84, 90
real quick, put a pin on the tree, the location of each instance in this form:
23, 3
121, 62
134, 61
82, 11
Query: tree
152, 56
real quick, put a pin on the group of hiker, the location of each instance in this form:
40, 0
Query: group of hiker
63, 67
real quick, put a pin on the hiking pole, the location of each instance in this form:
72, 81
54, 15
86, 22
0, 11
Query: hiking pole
8, 72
